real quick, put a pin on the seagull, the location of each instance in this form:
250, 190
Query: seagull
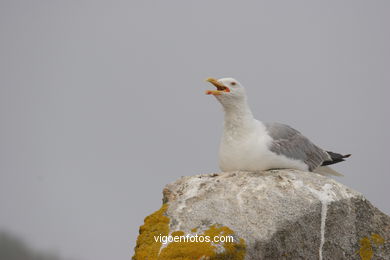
251, 145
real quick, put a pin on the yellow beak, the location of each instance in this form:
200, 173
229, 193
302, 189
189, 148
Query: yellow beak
220, 87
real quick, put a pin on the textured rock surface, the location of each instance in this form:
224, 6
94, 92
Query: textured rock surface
278, 214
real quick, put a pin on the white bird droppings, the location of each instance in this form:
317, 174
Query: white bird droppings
326, 196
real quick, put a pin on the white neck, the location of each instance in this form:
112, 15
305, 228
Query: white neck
238, 118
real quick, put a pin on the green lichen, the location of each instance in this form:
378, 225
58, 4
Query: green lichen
156, 224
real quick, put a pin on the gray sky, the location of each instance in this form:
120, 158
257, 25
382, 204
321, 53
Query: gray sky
102, 103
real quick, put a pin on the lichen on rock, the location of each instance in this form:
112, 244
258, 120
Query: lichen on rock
157, 224
205, 250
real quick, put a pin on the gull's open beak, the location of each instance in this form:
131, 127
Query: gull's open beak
220, 87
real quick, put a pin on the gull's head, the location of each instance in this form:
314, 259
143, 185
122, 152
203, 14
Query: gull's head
229, 90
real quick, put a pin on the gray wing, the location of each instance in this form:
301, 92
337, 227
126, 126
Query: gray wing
289, 142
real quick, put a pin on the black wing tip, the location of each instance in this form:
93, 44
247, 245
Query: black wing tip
338, 155
335, 158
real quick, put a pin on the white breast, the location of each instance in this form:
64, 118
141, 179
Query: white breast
248, 150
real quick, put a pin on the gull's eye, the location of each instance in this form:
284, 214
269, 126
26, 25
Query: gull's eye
233, 83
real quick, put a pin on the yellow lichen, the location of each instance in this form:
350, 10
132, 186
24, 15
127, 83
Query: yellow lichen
157, 224
365, 250
377, 239
177, 233
205, 250
231, 249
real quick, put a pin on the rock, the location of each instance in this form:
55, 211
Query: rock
277, 214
